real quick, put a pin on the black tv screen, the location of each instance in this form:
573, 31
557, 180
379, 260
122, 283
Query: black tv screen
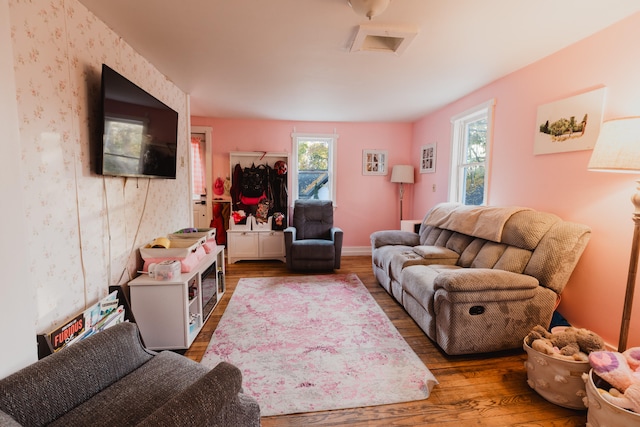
139, 132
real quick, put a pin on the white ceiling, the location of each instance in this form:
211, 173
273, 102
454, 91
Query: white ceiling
291, 59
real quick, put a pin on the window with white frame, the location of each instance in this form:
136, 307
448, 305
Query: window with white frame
313, 171
470, 148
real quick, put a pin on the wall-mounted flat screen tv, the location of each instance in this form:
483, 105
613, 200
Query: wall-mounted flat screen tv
139, 132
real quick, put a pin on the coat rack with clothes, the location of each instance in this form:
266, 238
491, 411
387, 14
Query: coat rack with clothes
259, 204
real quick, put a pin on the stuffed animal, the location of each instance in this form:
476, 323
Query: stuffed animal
633, 358
570, 344
622, 371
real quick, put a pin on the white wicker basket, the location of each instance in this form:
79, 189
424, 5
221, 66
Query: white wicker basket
178, 249
602, 413
558, 381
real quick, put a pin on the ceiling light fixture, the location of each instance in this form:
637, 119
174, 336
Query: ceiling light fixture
369, 8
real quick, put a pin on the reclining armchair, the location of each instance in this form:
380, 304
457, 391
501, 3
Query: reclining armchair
312, 242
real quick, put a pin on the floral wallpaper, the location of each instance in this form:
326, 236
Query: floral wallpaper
84, 229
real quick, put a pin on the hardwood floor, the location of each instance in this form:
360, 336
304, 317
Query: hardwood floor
479, 390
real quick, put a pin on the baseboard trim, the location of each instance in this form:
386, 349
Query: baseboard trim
356, 251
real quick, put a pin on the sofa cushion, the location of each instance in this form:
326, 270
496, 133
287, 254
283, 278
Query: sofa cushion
513, 259
138, 394
437, 254
316, 249
394, 237
429, 234
488, 255
382, 256
525, 229
313, 219
471, 252
457, 242
418, 281
420, 255
557, 254
418, 294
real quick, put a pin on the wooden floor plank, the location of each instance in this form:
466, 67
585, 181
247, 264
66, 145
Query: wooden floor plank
476, 390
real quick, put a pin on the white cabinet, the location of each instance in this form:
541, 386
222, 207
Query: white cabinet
254, 245
170, 313
412, 225
271, 245
242, 245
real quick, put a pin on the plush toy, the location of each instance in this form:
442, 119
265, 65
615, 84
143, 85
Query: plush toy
569, 344
622, 371
633, 358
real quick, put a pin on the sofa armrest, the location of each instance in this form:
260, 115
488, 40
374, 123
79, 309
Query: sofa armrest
337, 235
394, 237
289, 238
203, 401
483, 279
289, 234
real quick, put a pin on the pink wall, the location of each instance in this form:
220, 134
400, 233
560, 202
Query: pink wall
559, 183
364, 203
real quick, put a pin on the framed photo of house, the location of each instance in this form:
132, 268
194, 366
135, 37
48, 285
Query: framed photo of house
374, 162
428, 158
570, 124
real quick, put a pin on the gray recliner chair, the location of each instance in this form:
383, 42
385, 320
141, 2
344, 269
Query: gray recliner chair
312, 242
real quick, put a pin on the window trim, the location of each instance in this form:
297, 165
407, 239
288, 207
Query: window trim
332, 138
458, 124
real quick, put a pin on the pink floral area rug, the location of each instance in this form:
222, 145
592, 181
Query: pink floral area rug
315, 343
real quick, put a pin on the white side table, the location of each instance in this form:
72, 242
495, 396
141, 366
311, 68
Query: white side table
410, 225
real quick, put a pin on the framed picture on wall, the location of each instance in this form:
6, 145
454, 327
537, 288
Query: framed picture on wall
570, 124
428, 158
374, 162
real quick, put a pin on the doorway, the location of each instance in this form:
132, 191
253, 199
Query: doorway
201, 166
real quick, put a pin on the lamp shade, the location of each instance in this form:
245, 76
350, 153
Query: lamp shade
402, 173
369, 8
618, 146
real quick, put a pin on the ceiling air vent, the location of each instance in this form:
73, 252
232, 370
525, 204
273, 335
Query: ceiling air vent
384, 39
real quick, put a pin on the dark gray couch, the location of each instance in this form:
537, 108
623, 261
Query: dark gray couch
110, 379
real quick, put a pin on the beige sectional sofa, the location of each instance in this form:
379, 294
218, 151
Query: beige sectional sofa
478, 278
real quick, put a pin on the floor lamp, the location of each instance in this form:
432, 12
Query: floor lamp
402, 174
618, 150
